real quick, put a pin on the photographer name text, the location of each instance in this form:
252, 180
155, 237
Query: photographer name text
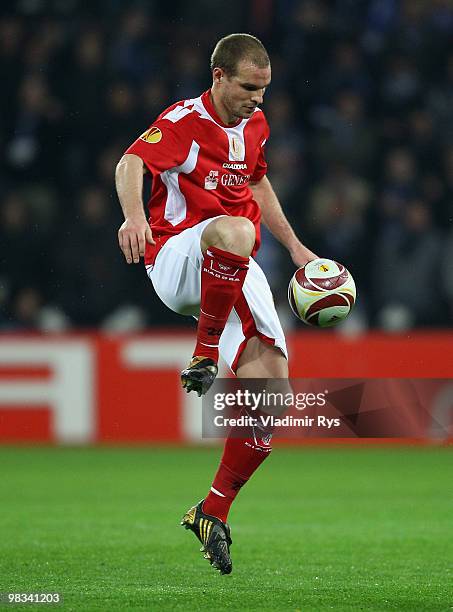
271, 421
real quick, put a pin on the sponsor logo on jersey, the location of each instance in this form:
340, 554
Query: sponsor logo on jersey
234, 166
153, 135
234, 180
227, 179
211, 181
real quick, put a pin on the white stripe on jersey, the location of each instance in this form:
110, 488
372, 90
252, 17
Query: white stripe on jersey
176, 205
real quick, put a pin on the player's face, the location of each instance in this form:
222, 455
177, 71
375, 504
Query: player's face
243, 92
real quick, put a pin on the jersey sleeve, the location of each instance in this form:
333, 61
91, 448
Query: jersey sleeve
162, 146
261, 164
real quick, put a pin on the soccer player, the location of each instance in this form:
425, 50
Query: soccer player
209, 193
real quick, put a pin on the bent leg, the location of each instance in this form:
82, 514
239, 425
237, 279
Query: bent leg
226, 244
259, 360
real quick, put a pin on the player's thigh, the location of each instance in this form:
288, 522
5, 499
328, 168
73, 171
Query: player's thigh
261, 360
175, 280
176, 273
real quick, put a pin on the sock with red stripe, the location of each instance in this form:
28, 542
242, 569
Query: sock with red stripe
222, 278
241, 458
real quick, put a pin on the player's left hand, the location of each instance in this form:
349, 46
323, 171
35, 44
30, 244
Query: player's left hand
301, 255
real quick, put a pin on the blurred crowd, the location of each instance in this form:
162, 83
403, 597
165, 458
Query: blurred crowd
360, 154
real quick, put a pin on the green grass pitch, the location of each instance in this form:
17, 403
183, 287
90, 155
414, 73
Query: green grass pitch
315, 529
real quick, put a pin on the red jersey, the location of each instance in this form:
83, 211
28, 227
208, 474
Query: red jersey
201, 168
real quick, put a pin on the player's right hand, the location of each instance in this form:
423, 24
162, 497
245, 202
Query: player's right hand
132, 238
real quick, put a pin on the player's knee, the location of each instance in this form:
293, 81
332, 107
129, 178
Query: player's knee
236, 234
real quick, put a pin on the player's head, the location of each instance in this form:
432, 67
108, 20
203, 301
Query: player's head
241, 71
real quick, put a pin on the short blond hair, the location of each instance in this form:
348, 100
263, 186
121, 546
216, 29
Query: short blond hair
232, 49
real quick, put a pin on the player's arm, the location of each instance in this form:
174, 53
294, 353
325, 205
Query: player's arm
274, 218
135, 231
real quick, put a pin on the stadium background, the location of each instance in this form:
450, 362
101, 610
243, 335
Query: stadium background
361, 152
361, 155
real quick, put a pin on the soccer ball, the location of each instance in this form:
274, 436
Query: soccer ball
322, 293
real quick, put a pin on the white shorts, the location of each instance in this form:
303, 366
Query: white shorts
176, 277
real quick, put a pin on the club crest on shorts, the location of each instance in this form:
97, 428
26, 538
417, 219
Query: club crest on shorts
153, 135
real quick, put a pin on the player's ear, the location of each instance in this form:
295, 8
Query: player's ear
217, 75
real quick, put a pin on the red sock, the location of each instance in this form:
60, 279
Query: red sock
222, 277
241, 458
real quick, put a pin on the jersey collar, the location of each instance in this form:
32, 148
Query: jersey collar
209, 106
